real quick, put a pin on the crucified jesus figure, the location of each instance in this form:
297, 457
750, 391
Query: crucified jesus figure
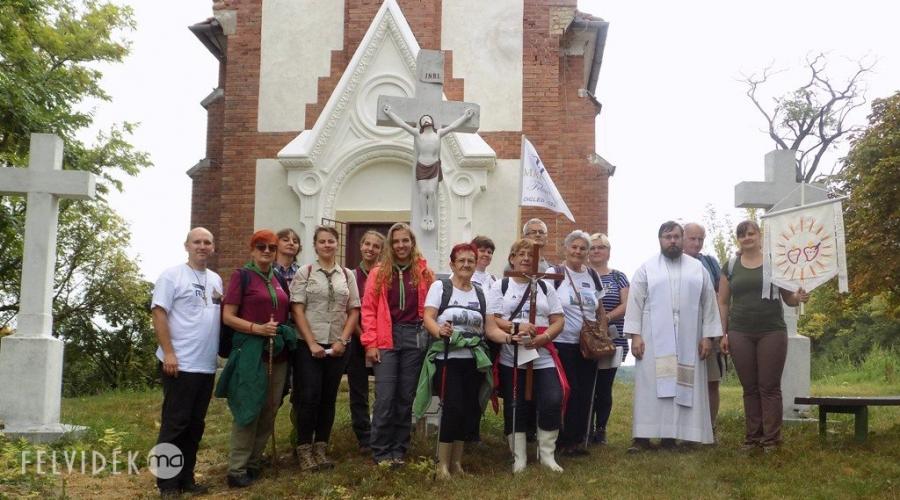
427, 144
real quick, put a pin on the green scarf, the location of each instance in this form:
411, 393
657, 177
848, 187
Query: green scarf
457, 341
267, 279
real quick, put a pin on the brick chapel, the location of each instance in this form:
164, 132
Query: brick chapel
292, 139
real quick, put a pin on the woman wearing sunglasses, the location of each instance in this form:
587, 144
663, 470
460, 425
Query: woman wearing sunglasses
256, 307
325, 305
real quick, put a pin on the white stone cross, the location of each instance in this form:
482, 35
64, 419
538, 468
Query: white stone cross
780, 187
428, 99
44, 183
32, 357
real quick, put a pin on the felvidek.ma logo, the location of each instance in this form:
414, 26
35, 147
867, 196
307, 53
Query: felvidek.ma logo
164, 461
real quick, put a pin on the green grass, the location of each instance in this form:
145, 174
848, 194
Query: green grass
804, 467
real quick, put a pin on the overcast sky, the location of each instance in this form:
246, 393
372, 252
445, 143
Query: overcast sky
675, 119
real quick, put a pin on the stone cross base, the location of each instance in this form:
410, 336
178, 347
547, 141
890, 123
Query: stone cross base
795, 378
30, 382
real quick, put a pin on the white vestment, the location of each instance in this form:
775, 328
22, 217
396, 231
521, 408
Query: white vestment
658, 413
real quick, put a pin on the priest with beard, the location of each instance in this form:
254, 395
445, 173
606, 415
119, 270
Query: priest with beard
671, 318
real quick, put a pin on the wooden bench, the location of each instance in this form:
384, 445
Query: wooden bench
857, 406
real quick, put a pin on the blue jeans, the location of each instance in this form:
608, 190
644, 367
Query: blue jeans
546, 396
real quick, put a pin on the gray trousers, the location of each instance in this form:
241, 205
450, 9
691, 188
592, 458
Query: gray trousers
249, 441
396, 378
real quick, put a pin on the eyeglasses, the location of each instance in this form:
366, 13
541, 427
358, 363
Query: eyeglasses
532, 232
262, 247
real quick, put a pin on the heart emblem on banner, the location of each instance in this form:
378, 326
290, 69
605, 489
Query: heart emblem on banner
794, 255
811, 252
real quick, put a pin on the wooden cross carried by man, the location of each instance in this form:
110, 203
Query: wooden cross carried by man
533, 276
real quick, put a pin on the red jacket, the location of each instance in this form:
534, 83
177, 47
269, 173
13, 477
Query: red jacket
377, 328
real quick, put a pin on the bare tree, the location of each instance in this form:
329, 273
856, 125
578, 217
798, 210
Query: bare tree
811, 120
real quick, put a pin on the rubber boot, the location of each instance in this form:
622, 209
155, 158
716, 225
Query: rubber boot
442, 467
305, 456
517, 447
456, 458
320, 454
546, 448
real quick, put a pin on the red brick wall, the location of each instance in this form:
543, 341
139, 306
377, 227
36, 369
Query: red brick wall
555, 119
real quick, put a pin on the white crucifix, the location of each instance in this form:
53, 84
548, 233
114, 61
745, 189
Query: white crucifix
32, 356
428, 118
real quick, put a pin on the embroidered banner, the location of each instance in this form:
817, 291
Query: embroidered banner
804, 247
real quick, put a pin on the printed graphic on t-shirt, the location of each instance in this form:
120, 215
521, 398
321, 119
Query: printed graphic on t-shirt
588, 296
464, 317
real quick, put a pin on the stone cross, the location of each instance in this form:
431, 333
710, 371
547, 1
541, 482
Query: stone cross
32, 357
781, 190
780, 187
429, 98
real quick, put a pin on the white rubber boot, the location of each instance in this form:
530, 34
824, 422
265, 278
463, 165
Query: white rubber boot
517, 447
546, 448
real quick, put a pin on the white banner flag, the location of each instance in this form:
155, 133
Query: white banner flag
804, 247
538, 189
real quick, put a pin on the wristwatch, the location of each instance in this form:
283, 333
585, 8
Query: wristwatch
344, 341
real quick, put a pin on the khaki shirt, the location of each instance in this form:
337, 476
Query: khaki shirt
325, 313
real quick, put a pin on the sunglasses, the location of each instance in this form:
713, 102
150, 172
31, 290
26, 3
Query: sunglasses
262, 247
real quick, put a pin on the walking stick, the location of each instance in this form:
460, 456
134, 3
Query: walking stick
587, 433
272, 403
443, 394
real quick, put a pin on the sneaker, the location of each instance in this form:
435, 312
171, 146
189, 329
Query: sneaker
398, 463
599, 436
769, 449
239, 481
254, 473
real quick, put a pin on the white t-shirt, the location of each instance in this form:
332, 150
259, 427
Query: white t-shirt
464, 311
589, 297
193, 321
505, 304
483, 278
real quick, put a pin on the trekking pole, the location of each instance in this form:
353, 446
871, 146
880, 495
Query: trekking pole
442, 396
515, 385
272, 402
587, 433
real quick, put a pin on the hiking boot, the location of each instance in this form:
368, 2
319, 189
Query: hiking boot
239, 480
170, 494
196, 488
306, 458
319, 453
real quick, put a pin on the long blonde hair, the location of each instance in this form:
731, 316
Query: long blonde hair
386, 264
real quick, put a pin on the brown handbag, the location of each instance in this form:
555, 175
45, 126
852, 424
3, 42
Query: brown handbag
594, 341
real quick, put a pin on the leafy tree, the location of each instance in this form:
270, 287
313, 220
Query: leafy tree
872, 214
812, 119
49, 50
